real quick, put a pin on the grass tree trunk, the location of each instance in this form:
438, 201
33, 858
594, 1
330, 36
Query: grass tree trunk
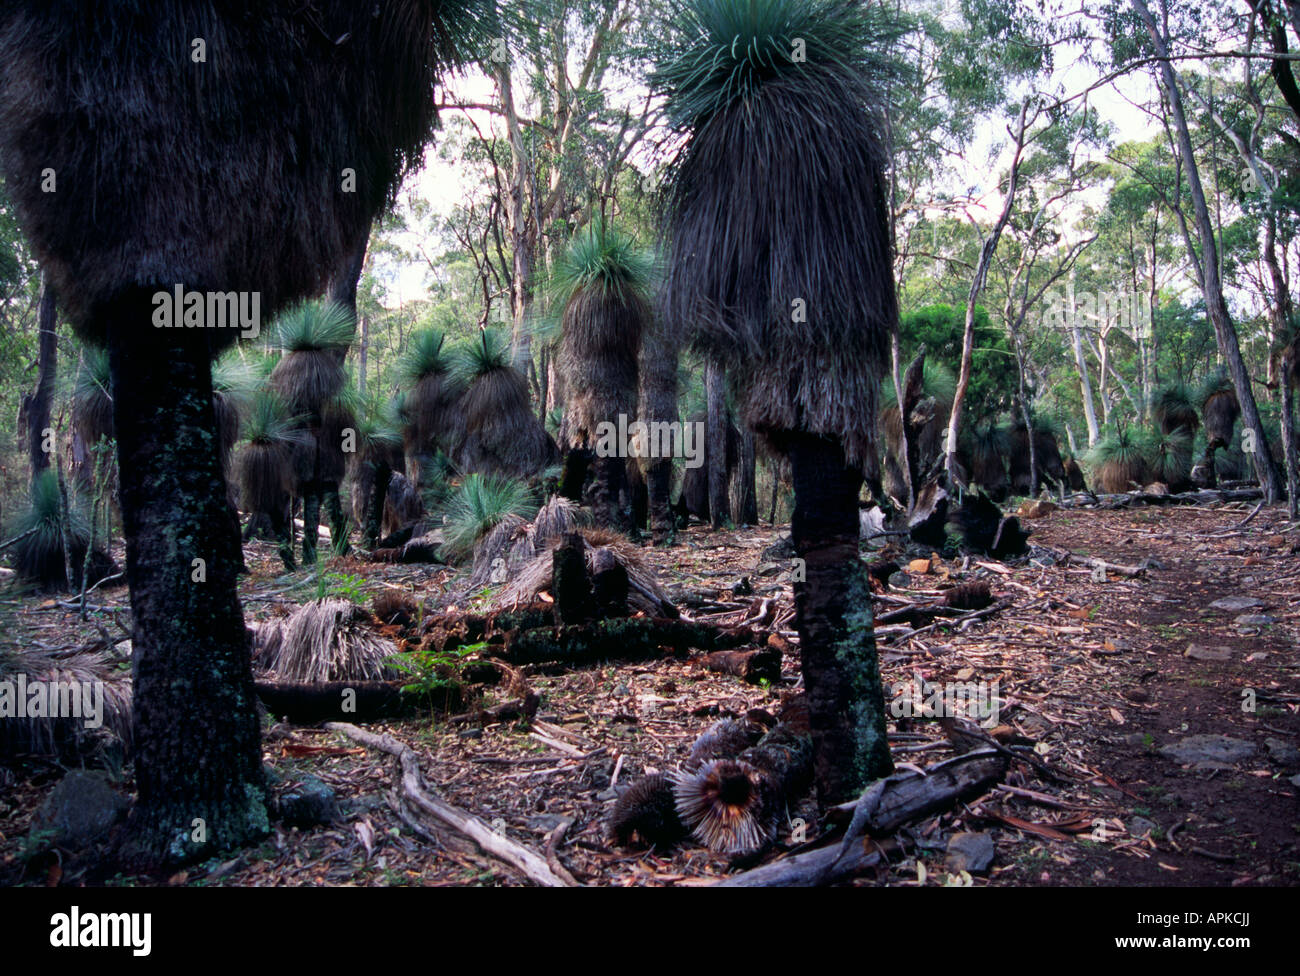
658, 377
38, 411
310, 522
833, 614
375, 503
716, 396
198, 765
609, 487
746, 506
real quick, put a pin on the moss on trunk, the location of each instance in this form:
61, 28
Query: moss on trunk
833, 615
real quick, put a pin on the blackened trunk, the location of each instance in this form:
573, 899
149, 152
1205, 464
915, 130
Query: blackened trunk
833, 614
310, 523
343, 289
746, 482
375, 504
659, 485
574, 476
338, 520
609, 490
716, 454
198, 768
38, 411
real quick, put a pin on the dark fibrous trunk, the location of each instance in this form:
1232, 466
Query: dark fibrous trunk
198, 760
716, 461
833, 607
658, 375
38, 410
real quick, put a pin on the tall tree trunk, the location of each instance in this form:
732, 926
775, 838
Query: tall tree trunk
1085, 385
1212, 286
198, 764
718, 430
746, 477
837, 645
987, 249
38, 411
1288, 437
658, 375
896, 374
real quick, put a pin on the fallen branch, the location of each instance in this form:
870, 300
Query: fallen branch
510, 711
499, 846
885, 806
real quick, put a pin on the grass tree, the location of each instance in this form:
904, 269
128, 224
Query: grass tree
781, 264
378, 455
263, 468
431, 406
601, 284
262, 140
310, 377
502, 435
92, 413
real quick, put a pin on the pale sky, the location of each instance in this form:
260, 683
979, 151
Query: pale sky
445, 184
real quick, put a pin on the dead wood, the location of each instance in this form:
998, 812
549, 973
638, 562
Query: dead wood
533, 865
620, 639
753, 667
510, 711
308, 702
885, 806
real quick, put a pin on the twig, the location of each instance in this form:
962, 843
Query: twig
499, 846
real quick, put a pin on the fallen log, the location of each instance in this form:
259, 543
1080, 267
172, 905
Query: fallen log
752, 667
885, 806
1204, 496
307, 702
533, 865
623, 639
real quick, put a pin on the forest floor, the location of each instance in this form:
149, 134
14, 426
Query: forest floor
1097, 674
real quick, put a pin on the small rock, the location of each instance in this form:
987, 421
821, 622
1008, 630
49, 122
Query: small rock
919, 566
1295, 780
1199, 652
1208, 748
1236, 603
470, 734
768, 569
1140, 826
79, 811
1254, 620
1282, 752
782, 550
971, 852
609, 793
306, 803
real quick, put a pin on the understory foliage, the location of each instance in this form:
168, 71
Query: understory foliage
478, 506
